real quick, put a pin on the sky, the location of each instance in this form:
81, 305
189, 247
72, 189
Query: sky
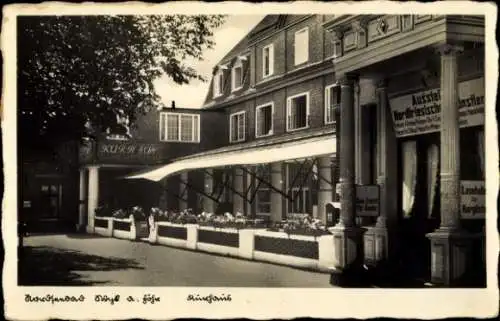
226, 37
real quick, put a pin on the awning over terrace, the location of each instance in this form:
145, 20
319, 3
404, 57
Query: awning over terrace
306, 148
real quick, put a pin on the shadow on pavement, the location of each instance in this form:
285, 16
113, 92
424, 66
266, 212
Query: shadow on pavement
84, 236
51, 266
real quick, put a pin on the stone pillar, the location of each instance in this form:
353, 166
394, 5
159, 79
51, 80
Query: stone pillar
325, 193
208, 203
450, 245
377, 237
276, 198
238, 201
183, 191
347, 146
82, 203
93, 196
348, 238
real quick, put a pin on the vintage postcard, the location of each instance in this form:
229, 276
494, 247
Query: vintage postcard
229, 160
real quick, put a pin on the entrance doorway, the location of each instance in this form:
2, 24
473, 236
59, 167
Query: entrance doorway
50, 200
419, 203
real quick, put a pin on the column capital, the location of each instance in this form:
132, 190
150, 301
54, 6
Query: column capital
337, 34
381, 84
449, 49
359, 25
347, 80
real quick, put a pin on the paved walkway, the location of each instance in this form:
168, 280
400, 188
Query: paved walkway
77, 259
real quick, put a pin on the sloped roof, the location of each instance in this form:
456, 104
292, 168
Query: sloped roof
269, 22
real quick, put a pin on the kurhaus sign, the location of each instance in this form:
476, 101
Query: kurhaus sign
420, 113
128, 151
473, 205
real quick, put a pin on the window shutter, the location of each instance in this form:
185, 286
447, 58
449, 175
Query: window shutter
162, 127
271, 60
258, 121
288, 114
230, 128
243, 125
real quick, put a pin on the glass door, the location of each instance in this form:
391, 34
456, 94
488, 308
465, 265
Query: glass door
50, 198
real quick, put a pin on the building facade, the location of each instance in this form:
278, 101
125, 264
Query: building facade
425, 74
277, 86
383, 115
157, 137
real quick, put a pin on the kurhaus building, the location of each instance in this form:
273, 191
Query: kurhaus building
381, 114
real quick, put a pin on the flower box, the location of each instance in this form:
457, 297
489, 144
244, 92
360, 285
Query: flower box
219, 237
101, 222
172, 231
284, 244
124, 228
122, 225
103, 226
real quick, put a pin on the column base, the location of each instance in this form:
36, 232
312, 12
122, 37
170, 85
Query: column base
348, 269
90, 229
450, 252
81, 228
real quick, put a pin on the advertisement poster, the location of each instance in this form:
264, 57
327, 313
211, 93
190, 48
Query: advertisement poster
367, 200
420, 113
473, 205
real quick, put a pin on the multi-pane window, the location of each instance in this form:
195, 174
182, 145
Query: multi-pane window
218, 83
237, 127
237, 76
264, 120
301, 46
332, 101
298, 112
263, 194
175, 127
267, 60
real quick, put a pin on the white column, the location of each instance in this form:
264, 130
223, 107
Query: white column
276, 198
387, 160
82, 199
450, 140
93, 196
183, 193
377, 237
238, 201
325, 193
450, 244
348, 238
208, 203
358, 137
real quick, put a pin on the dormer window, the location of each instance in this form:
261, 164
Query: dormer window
237, 76
268, 60
218, 83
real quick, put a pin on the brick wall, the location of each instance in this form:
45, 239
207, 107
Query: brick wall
316, 39
278, 41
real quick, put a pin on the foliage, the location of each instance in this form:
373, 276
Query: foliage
103, 211
305, 225
138, 213
80, 70
119, 213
